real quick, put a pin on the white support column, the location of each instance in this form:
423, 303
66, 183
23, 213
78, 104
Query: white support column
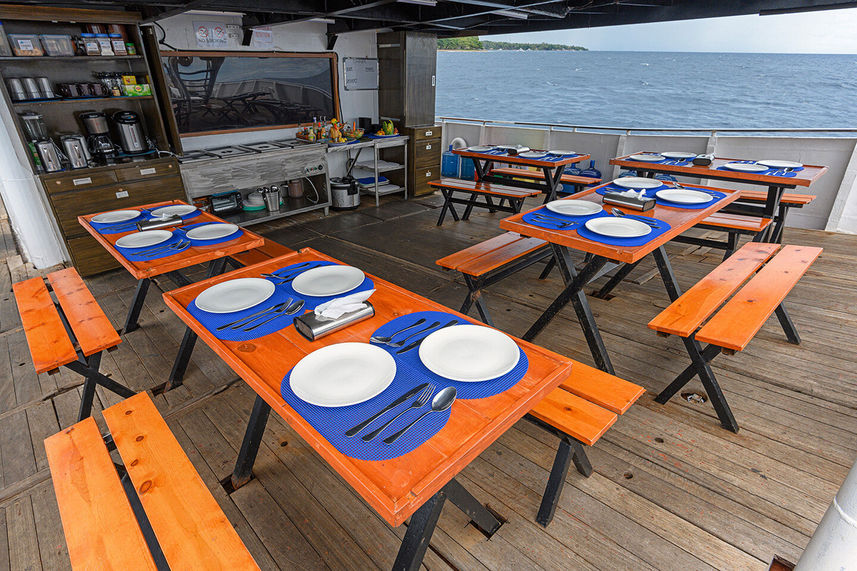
833, 546
843, 214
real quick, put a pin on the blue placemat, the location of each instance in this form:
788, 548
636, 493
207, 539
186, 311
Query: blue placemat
770, 172
651, 193
333, 422
131, 225
670, 162
588, 234
212, 321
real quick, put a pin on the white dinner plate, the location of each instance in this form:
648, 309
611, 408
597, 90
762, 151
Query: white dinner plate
678, 155
562, 153
212, 231
532, 154
616, 227
343, 374
647, 157
777, 164
144, 238
684, 196
173, 210
235, 295
574, 207
469, 353
746, 167
637, 182
481, 148
115, 216
328, 280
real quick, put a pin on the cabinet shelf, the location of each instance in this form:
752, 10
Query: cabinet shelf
79, 100
89, 59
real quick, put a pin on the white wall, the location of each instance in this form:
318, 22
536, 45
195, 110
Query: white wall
302, 37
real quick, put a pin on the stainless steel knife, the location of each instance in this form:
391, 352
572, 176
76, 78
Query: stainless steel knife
387, 408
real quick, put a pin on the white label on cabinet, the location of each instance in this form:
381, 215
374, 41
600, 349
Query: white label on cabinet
122, 194
144, 172
80, 181
428, 147
428, 133
428, 174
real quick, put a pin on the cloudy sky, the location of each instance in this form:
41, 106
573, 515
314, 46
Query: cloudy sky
830, 31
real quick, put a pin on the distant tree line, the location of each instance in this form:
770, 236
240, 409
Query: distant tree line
474, 43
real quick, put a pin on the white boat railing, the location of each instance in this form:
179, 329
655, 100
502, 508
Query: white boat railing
834, 209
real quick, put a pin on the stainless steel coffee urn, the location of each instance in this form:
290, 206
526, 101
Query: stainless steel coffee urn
130, 132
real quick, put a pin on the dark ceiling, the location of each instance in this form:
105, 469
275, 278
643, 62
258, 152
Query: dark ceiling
462, 17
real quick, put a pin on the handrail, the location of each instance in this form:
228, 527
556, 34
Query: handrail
651, 129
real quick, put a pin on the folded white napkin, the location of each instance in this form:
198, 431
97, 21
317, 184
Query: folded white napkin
336, 308
630, 193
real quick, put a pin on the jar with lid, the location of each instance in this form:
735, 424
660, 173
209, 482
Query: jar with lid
90, 44
118, 45
104, 44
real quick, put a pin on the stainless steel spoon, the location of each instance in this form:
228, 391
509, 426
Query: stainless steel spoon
619, 214
412, 335
385, 339
441, 401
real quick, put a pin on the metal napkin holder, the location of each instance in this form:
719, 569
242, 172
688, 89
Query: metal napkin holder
633, 203
155, 223
314, 326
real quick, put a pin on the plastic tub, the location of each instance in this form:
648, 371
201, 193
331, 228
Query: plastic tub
26, 45
57, 44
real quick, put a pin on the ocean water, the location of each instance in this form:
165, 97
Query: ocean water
650, 89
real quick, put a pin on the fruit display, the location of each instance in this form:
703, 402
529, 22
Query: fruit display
331, 132
387, 129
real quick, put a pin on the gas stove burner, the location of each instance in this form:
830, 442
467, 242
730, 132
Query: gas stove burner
194, 156
228, 151
262, 147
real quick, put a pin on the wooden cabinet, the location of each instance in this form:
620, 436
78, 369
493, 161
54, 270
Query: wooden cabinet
74, 193
424, 155
407, 64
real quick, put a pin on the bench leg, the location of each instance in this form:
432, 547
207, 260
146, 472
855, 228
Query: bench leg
447, 205
615, 280
548, 267
472, 202
474, 297
143, 521
709, 382
93, 362
243, 470
731, 245
680, 381
91, 374
569, 450
136, 305
788, 327
182, 359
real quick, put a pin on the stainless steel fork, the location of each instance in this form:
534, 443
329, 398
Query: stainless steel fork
419, 403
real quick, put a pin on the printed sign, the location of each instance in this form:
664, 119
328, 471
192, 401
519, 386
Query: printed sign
211, 35
263, 38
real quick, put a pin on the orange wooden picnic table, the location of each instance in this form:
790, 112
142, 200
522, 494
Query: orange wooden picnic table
143, 271
600, 254
552, 169
413, 485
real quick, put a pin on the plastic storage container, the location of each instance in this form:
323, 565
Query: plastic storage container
104, 44
450, 164
591, 171
468, 171
57, 44
26, 45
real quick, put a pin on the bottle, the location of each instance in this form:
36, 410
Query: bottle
591, 172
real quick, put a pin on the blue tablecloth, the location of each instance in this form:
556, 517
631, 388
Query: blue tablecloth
651, 193
212, 321
582, 231
333, 422
770, 172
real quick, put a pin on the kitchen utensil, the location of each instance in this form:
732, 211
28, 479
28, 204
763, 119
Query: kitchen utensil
442, 401
416, 343
181, 245
49, 155
342, 374
616, 227
637, 182
469, 353
235, 295
619, 214
33, 125
130, 132
573, 207
386, 339
412, 335
555, 221
344, 193
290, 309
244, 320
288, 271
420, 402
272, 198
213, 231
296, 188
98, 129
417, 389
328, 280
144, 239
683, 196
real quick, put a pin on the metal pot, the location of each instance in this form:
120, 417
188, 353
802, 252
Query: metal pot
344, 193
95, 122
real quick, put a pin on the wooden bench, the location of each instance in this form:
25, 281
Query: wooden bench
489, 262
488, 190
70, 334
731, 327
159, 515
579, 412
735, 226
788, 201
264, 253
578, 182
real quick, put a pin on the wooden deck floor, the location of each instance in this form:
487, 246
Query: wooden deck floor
671, 490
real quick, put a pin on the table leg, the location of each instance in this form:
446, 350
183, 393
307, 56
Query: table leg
136, 306
422, 523
553, 181
243, 470
617, 278
573, 293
